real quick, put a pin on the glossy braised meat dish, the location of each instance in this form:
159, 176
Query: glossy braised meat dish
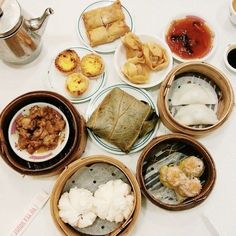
40, 130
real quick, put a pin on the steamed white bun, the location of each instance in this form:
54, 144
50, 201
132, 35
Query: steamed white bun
77, 207
114, 201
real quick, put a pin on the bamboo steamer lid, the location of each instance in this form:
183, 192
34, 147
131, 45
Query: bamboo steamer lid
73, 171
73, 149
168, 150
220, 83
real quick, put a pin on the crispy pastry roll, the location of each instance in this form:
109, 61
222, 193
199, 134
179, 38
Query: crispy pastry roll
92, 19
112, 13
98, 36
117, 29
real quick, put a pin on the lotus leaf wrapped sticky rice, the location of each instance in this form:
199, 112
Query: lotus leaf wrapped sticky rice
121, 119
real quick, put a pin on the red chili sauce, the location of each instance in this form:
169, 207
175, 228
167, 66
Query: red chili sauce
189, 38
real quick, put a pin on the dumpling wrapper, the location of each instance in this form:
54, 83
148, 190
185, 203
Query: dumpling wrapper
155, 56
121, 119
135, 71
196, 114
190, 93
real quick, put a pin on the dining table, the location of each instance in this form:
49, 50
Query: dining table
213, 217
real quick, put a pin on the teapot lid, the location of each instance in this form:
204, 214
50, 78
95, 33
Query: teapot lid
10, 17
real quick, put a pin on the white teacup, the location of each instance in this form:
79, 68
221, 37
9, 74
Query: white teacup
232, 11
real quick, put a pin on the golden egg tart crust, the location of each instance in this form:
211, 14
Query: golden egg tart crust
67, 61
77, 84
92, 65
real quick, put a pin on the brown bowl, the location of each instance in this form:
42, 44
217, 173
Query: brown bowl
206, 73
170, 149
70, 177
73, 149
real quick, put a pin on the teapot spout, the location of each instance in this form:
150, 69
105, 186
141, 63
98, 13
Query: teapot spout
38, 24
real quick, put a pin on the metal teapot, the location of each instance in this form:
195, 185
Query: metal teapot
20, 37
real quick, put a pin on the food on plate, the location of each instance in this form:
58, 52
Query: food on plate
92, 65
40, 130
105, 24
196, 114
190, 37
192, 166
133, 46
190, 93
114, 201
155, 55
141, 58
67, 61
136, 71
172, 176
121, 119
76, 207
190, 188
183, 178
77, 84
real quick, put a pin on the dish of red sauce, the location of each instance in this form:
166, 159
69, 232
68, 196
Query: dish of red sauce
190, 38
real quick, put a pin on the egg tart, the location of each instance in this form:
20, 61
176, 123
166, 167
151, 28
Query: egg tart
67, 61
92, 65
77, 84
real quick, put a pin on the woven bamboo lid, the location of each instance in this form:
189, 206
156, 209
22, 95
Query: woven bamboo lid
75, 144
208, 75
71, 176
168, 150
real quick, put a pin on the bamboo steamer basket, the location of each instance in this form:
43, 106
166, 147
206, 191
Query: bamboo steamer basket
215, 76
66, 229
75, 145
149, 164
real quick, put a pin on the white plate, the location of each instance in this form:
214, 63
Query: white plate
13, 136
57, 80
137, 93
108, 47
213, 30
155, 77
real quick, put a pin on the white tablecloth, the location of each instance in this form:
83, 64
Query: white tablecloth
216, 214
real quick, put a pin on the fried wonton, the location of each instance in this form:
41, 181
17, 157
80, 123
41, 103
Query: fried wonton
136, 71
133, 45
155, 56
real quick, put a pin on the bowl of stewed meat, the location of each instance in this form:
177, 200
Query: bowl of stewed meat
41, 133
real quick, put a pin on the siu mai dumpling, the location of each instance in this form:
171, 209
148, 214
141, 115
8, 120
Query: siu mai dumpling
192, 94
196, 114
